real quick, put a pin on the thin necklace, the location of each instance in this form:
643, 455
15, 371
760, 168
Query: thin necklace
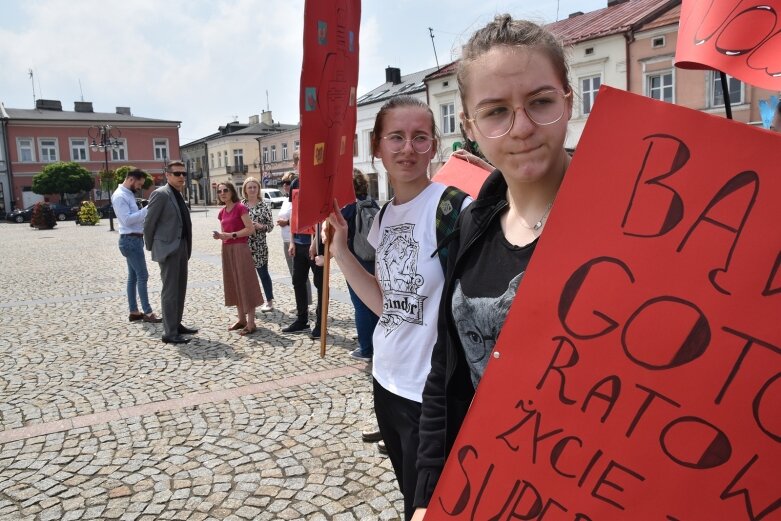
538, 224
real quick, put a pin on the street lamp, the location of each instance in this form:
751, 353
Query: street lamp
105, 138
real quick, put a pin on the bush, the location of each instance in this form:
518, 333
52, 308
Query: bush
43, 217
88, 214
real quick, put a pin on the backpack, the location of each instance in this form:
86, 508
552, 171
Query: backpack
364, 217
448, 210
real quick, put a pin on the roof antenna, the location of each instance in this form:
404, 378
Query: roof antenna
557, 9
32, 80
81, 91
431, 33
268, 108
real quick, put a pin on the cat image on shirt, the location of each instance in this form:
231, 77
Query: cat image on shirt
479, 321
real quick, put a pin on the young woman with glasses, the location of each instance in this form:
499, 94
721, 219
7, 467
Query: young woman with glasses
405, 290
238, 269
516, 104
260, 214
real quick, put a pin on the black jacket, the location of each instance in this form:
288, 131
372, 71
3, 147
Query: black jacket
449, 391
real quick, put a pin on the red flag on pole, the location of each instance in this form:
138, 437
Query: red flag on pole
329, 78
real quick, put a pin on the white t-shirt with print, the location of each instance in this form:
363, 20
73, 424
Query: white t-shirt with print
285, 212
411, 282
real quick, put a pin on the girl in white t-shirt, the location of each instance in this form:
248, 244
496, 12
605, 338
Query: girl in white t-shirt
406, 289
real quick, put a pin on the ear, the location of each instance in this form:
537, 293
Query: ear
467, 126
569, 105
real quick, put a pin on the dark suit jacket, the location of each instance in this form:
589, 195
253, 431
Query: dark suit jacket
163, 224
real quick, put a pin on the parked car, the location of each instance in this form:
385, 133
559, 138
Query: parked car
61, 212
273, 197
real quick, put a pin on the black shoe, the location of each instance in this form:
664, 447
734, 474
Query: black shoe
186, 330
371, 436
315, 333
296, 327
178, 339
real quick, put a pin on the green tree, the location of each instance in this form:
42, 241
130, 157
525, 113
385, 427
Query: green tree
63, 178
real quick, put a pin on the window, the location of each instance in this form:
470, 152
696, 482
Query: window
161, 149
296, 146
355, 146
588, 92
284, 151
238, 157
265, 154
658, 42
219, 159
717, 93
120, 153
26, 151
211, 157
660, 86
273, 152
448, 118
79, 150
225, 157
48, 150
589, 51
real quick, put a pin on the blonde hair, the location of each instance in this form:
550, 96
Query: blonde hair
251, 179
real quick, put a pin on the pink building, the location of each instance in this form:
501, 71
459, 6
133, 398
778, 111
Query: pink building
46, 134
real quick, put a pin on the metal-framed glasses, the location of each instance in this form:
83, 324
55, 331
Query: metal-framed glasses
544, 108
420, 144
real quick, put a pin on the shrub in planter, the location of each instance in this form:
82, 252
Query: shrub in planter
88, 214
43, 217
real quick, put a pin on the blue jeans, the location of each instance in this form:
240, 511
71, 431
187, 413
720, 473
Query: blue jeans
132, 248
365, 320
265, 280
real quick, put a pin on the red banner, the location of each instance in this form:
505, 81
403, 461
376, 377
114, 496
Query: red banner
638, 374
462, 174
741, 38
329, 78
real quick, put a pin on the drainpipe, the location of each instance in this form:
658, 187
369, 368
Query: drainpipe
6, 154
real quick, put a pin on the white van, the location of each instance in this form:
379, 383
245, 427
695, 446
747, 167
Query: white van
273, 197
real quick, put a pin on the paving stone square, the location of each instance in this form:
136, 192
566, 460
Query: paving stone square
101, 420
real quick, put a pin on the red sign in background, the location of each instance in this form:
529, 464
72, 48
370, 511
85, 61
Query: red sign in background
329, 78
741, 38
638, 374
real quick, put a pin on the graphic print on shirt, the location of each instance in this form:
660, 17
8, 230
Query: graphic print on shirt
479, 321
397, 262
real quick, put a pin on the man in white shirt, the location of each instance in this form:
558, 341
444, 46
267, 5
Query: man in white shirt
131, 244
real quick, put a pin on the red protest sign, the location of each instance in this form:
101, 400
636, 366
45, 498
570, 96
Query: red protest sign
329, 78
463, 175
638, 373
294, 218
740, 38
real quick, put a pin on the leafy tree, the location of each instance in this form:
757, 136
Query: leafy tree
63, 177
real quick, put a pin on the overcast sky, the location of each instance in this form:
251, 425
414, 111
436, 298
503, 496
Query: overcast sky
206, 63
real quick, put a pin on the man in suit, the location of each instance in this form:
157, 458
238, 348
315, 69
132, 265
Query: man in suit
168, 235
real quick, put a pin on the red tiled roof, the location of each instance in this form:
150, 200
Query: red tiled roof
610, 20
670, 17
443, 71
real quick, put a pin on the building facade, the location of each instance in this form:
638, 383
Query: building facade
276, 154
47, 134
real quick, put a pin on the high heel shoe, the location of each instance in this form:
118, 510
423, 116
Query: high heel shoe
237, 325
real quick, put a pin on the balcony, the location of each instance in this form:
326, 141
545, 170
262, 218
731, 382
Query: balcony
236, 169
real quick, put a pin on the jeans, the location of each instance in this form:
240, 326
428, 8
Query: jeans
132, 248
265, 280
301, 267
365, 320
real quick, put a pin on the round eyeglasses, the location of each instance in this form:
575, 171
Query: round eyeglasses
544, 108
420, 144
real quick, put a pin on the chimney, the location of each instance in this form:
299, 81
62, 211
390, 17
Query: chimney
82, 106
253, 120
48, 104
393, 75
576, 13
611, 3
266, 118
125, 111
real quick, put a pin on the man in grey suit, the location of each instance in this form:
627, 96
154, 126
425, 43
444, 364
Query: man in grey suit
168, 235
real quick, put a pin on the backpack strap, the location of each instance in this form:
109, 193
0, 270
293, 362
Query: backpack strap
382, 212
448, 210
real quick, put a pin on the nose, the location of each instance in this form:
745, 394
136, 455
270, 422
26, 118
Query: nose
522, 124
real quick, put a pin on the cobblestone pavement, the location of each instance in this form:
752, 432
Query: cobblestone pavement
101, 420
